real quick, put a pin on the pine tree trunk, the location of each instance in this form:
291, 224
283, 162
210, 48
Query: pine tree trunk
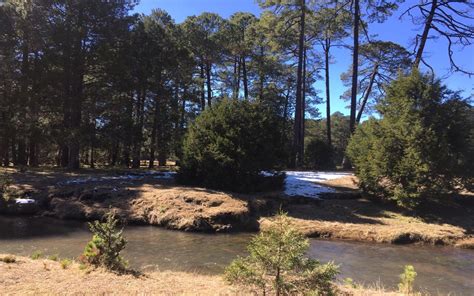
355, 67
76, 97
297, 157
203, 93
367, 93
236, 83
328, 92
424, 35
208, 82
21, 152
245, 78
139, 129
303, 108
153, 134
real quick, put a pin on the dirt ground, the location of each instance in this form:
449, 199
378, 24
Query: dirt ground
46, 277
146, 199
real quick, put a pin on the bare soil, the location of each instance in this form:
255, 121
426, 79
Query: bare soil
46, 277
345, 214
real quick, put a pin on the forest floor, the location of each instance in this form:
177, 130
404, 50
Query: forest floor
153, 197
46, 277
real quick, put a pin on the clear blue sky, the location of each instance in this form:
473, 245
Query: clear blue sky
395, 30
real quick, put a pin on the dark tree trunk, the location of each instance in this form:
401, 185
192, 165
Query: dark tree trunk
297, 157
355, 73
156, 114
328, 92
287, 102
76, 96
245, 78
13, 148
139, 129
33, 153
21, 152
303, 107
203, 93
367, 93
355, 66
183, 109
22, 158
208, 84
424, 35
162, 157
235, 91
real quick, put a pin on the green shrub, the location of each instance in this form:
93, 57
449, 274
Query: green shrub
407, 279
318, 155
106, 244
8, 259
54, 257
422, 145
65, 263
277, 264
230, 144
36, 255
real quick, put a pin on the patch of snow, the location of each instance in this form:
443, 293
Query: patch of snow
131, 176
24, 201
165, 175
299, 183
267, 173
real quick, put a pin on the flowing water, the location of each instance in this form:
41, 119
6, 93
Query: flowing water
441, 270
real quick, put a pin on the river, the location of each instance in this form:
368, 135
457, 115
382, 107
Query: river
441, 270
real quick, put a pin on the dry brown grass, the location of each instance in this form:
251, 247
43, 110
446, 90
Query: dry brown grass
364, 220
467, 243
345, 182
46, 277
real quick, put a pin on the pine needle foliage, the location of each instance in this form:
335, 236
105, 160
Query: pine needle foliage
421, 147
277, 264
230, 144
106, 244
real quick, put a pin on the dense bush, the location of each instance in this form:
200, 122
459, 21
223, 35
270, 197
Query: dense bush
318, 155
230, 144
422, 145
277, 264
106, 244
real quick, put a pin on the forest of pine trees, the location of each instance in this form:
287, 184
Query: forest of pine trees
87, 83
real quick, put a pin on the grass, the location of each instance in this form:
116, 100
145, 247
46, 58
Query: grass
65, 263
34, 277
36, 255
54, 257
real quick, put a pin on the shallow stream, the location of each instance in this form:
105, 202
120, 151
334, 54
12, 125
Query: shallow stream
441, 270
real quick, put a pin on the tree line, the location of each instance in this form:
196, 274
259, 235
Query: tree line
90, 82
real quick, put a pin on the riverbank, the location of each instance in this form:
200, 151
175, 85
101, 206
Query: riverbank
46, 277
153, 198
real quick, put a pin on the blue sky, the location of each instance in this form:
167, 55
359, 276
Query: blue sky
394, 29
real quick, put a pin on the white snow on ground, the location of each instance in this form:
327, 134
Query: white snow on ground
297, 183
23, 201
301, 183
137, 176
